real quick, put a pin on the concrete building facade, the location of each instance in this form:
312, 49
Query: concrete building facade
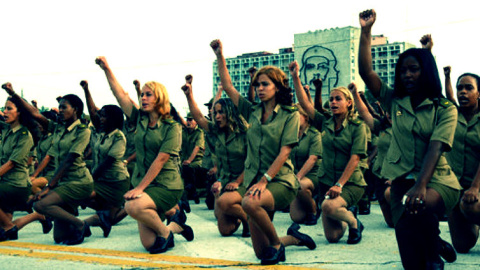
329, 54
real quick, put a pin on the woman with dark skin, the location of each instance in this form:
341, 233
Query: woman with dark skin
14, 149
111, 179
268, 175
341, 180
71, 182
230, 149
464, 220
156, 180
423, 185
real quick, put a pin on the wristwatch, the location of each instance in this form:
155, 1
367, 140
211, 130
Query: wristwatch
338, 185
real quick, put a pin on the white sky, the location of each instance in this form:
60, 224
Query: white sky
48, 47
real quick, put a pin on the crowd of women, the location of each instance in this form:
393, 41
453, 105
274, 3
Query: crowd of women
266, 156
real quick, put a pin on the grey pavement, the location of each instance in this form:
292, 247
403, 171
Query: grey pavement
377, 250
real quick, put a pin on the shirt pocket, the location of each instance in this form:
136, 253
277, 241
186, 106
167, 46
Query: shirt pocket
393, 157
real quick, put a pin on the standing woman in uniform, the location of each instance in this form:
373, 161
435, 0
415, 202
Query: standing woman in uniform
268, 175
15, 146
111, 179
424, 187
306, 160
344, 145
156, 178
229, 130
464, 220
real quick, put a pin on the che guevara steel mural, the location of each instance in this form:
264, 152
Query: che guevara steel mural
319, 62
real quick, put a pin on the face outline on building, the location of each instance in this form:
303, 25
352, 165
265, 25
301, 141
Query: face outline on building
319, 62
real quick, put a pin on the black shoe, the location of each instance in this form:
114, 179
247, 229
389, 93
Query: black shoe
187, 232
11, 234
354, 210
47, 224
355, 235
310, 219
161, 244
272, 255
305, 240
185, 205
364, 208
447, 251
196, 198
105, 223
435, 265
79, 235
246, 231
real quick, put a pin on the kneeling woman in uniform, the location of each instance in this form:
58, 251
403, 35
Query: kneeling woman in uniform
15, 146
268, 175
156, 179
229, 130
344, 144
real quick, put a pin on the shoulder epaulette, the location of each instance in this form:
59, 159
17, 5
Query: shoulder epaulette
356, 121
289, 108
169, 121
445, 103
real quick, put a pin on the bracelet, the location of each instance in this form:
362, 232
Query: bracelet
338, 185
268, 177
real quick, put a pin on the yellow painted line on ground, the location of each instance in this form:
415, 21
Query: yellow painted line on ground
123, 258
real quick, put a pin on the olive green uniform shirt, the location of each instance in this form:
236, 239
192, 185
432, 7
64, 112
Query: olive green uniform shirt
383, 143
412, 131
231, 153
15, 145
72, 139
191, 139
264, 141
209, 158
465, 155
164, 137
43, 146
310, 144
129, 132
113, 145
338, 148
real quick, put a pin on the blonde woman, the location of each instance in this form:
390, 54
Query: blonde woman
344, 143
156, 178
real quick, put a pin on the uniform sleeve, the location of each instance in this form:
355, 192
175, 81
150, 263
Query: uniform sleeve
359, 145
316, 145
445, 128
200, 139
22, 149
173, 140
81, 141
134, 116
290, 131
318, 121
118, 147
244, 107
386, 97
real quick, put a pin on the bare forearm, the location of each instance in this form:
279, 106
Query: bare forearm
196, 113
449, 90
302, 97
349, 169
363, 110
42, 166
154, 170
307, 166
122, 97
430, 161
62, 169
194, 153
6, 167
227, 80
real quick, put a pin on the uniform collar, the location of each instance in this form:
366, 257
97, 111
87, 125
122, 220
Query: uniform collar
17, 128
111, 133
74, 124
